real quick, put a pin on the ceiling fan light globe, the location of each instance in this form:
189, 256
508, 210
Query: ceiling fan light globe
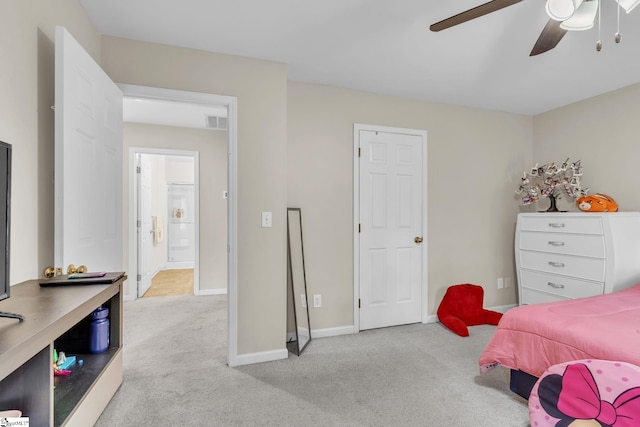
561, 10
628, 5
583, 18
574, 28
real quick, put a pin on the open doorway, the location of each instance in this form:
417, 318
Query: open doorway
168, 211
176, 201
228, 194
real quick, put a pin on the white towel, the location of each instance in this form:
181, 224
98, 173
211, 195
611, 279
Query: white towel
157, 227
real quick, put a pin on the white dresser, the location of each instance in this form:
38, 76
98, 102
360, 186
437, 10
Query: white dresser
576, 254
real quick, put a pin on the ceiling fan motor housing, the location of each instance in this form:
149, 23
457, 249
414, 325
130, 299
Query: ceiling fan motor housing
561, 10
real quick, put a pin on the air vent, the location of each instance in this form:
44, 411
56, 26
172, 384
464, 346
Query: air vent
215, 122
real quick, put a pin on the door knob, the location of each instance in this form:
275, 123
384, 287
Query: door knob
72, 269
418, 239
49, 272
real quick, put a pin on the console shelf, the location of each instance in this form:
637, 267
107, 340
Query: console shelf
56, 317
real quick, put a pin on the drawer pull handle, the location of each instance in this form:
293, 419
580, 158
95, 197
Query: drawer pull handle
556, 243
555, 285
556, 225
556, 264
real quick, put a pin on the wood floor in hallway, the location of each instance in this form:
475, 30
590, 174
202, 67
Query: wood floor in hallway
171, 282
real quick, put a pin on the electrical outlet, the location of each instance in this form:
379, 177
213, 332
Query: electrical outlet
507, 282
317, 301
500, 283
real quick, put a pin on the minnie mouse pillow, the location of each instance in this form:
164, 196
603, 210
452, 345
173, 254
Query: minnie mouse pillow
587, 393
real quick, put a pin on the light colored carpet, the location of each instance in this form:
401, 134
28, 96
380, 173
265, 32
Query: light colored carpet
171, 282
415, 375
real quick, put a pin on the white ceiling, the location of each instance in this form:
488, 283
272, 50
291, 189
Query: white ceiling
170, 113
385, 46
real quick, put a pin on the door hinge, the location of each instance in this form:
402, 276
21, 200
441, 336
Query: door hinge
359, 151
139, 277
138, 169
359, 228
358, 302
138, 223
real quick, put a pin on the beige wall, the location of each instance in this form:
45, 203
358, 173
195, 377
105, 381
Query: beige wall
603, 133
26, 119
212, 148
474, 160
260, 87
182, 170
475, 157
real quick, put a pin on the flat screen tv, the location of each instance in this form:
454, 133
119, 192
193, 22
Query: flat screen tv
5, 224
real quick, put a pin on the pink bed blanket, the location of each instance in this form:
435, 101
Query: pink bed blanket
533, 337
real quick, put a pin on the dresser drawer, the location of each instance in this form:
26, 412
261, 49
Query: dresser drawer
560, 224
530, 296
560, 285
561, 243
567, 265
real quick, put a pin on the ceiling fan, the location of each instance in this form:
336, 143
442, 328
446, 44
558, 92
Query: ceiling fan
564, 15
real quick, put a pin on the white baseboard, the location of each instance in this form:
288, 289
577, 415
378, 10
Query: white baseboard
332, 332
502, 308
222, 291
268, 356
346, 330
432, 318
179, 265
324, 333
264, 356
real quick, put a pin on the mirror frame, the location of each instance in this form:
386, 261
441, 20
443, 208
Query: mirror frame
299, 311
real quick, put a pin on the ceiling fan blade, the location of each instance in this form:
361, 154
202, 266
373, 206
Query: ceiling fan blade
549, 38
474, 13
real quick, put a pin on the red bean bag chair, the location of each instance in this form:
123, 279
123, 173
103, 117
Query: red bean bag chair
462, 307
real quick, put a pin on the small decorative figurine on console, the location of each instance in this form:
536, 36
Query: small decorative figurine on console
551, 181
597, 203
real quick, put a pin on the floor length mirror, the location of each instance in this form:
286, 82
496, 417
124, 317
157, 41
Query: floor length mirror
299, 331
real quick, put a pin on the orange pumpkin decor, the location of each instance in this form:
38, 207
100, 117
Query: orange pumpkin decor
597, 203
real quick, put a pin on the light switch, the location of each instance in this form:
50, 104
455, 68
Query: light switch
267, 220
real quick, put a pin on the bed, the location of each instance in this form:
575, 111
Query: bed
531, 338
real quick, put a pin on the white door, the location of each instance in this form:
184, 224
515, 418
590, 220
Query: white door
391, 219
88, 161
143, 223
